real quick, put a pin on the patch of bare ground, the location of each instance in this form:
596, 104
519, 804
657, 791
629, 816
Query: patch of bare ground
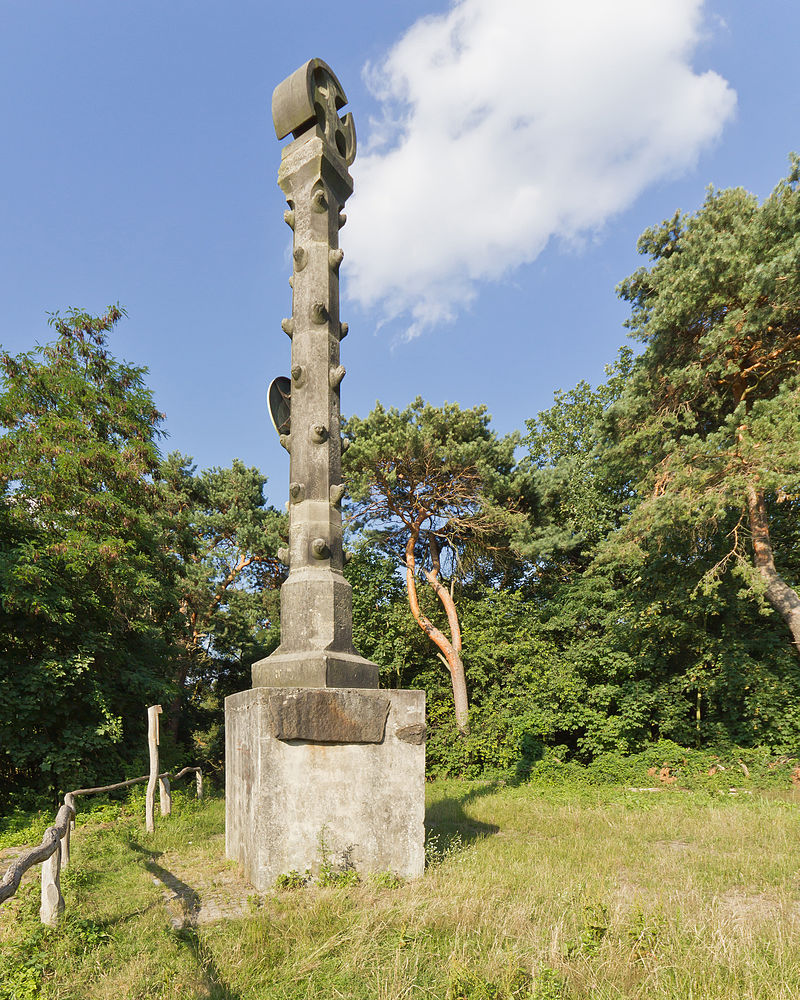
676, 845
200, 886
741, 906
10, 854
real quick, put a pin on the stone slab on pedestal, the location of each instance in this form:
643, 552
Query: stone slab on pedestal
364, 798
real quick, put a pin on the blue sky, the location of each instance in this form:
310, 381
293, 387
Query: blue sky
510, 153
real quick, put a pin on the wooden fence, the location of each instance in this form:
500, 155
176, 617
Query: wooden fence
53, 852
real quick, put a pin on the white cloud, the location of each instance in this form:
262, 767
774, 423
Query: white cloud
507, 122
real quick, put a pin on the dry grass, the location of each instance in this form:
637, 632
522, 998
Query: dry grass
552, 894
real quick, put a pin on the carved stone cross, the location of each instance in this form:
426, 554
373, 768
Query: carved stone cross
313, 96
316, 647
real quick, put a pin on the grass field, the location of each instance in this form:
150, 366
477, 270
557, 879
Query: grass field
553, 894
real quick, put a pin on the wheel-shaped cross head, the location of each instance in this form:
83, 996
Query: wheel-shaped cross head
312, 97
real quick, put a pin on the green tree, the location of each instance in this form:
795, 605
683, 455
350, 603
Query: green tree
708, 427
434, 487
577, 497
84, 582
650, 652
224, 539
382, 630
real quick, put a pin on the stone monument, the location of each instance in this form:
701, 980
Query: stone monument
321, 764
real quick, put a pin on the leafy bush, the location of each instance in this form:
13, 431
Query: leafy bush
384, 880
466, 984
666, 764
293, 880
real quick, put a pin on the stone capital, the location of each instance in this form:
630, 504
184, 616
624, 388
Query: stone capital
308, 162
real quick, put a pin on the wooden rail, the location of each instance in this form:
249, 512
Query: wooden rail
53, 852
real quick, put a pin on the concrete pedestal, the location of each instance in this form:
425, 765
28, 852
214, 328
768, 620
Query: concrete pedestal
340, 767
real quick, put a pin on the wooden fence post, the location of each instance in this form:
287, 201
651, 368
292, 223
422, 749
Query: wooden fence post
69, 800
65, 848
52, 901
165, 795
53, 852
152, 739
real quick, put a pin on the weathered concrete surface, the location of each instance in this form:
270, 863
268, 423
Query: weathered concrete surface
366, 800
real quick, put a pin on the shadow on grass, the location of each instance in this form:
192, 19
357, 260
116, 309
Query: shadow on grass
124, 918
447, 820
216, 986
186, 930
182, 893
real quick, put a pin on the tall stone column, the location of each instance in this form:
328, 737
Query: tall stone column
315, 752
316, 605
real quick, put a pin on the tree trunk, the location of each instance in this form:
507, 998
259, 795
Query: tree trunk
444, 595
176, 711
448, 648
779, 594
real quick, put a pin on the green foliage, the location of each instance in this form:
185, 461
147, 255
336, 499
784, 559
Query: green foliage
442, 468
223, 539
340, 878
85, 585
712, 408
21, 979
88, 934
433, 488
578, 500
644, 576
598, 669
595, 927
332, 872
642, 652
292, 880
440, 848
549, 985
554, 894
384, 880
664, 765
466, 984
25, 964
124, 579
602, 593
20, 826
383, 630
